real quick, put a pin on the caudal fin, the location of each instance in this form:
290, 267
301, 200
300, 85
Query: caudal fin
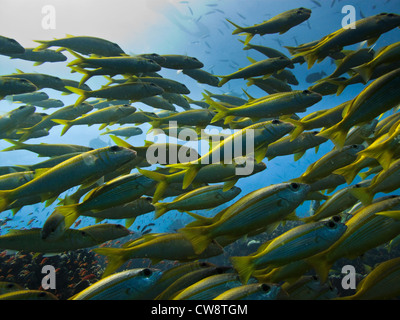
67, 124
244, 267
336, 134
16, 145
365, 71
83, 94
363, 194
348, 173
162, 183
116, 258
223, 112
5, 199
160, 209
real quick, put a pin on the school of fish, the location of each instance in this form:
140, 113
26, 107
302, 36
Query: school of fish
119, 182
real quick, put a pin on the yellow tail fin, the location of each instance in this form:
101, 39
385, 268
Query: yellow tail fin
198, 236
336, 134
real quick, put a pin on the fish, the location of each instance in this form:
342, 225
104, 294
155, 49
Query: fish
10, 85
28, 295
201, 198
249, 214
77, 170
84, 45
39, 81
189, 279
297, 147
340, 201
120, 64
157, 247
352, 59
210, 287
70, 112
309, 288
124, 132
180, 62
134, 282
372, 101
6, 287
47, 104
258, 68
386, 181
274, 105
278, 24
298, 243
202, 76
130, 91
330, 162
315, 76
28, 97
269, 52
129, 211
387, 54
365, 230
46, 149
270, 85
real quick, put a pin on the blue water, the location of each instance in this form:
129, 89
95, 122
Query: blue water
195, 28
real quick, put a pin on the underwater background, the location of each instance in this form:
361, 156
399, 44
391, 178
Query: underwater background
196, 28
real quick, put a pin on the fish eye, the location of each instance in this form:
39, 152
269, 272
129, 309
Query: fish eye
330, 224
147, 272
10, 285
41, 294
336, 218
265, 287
354, 146
149, 199
315, 277
203, 264
306, 91
294, 186
83, 233
315, 132
119, 226
276, 121
390, 15
115, 148
21, 107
